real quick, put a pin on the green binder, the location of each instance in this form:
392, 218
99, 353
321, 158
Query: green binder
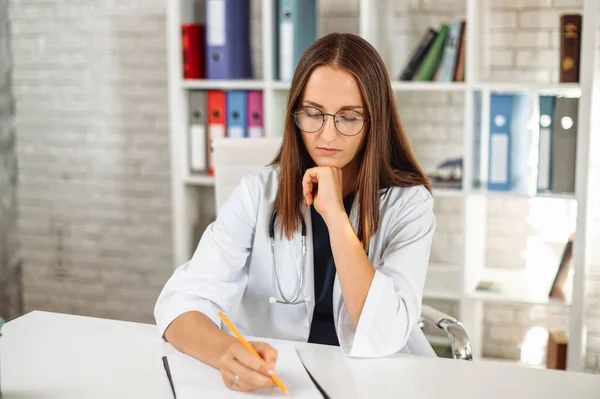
432, 60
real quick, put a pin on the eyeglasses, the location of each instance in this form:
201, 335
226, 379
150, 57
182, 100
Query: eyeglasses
346, 121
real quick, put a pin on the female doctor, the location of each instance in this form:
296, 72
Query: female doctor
329, 244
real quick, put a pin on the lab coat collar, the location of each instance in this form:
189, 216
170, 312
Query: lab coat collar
309, 277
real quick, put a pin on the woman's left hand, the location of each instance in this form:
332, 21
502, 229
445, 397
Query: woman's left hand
322, 186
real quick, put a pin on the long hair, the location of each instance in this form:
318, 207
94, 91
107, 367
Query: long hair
386, 158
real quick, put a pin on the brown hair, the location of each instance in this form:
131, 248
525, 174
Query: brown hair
386, 158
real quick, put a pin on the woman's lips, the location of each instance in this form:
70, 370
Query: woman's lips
328, 151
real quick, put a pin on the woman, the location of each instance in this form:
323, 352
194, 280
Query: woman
348, 177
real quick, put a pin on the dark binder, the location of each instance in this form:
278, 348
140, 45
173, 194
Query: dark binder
564, 145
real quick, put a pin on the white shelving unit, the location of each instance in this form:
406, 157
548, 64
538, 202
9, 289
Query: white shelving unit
193, 195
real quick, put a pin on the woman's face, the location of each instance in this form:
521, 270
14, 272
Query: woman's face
330, 91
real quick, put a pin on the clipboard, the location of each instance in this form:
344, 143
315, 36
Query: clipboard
170, 378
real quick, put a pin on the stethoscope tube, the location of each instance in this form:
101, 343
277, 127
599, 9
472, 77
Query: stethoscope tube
296, 299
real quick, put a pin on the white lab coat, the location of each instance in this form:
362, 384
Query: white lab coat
232, 270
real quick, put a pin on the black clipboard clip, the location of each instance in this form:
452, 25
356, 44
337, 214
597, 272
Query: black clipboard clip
319, 387
168, 371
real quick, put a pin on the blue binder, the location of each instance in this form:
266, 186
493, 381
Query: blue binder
236, 114
510, 140
546, 122
499, 168
228, 39
296, 31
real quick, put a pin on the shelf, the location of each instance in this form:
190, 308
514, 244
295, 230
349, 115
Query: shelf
202, 84
447, 192
427, 86
200, 180
516, 299
510, 362
521, 287
278, 85
442, 295
515, 194
564, 89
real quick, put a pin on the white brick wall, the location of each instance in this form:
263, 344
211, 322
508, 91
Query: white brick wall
90, 85
526, 33
433, 122
448, 241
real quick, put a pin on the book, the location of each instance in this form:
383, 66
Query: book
193, 39
491, 286
448, 63
418, 54
459, 70
557, 289
432, 59
570, 47
556, 351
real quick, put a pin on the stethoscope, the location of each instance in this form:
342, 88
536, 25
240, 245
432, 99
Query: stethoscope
296, 300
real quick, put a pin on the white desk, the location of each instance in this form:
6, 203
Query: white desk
47, 355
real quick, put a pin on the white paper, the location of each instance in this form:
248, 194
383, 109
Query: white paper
215, 35
255, 131
286, 51
193, 379
235, 132
198, 147
499, 159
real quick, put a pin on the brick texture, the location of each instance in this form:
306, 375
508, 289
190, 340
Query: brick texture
90, 82
11, 291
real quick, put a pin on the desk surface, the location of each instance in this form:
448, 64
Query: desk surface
48, 355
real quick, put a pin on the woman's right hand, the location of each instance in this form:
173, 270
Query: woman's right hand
253, 373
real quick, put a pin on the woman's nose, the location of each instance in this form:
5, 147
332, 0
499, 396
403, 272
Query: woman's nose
329, 132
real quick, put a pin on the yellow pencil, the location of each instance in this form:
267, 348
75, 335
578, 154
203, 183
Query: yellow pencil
247, 345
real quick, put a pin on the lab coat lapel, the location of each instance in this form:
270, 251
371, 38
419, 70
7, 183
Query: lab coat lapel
309, 276
337, 289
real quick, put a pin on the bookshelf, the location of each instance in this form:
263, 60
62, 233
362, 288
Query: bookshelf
193, 195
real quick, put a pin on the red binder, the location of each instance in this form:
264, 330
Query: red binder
193, 42
217, 107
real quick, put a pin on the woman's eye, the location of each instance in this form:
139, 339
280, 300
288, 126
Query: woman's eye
313, 112
348, 116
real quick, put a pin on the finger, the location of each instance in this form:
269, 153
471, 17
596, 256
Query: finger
251, 361
307, 187
249, 375
229, 380
268, 353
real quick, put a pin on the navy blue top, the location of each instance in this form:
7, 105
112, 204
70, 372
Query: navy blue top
322, 328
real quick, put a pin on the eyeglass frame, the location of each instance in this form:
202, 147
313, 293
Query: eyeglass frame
323, 115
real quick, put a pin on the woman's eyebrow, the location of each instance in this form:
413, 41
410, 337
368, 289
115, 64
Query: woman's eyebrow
314, 104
